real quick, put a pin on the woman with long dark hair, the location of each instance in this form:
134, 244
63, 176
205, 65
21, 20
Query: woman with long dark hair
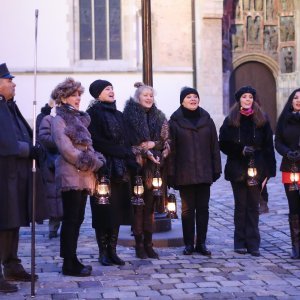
247, 139
287, 144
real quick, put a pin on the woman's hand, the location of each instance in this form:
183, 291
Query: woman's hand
147, 145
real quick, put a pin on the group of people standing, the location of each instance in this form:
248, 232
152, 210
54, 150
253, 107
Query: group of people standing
76, 148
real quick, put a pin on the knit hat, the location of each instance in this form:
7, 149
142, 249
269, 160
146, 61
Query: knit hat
186, 91
97, 87
244, 90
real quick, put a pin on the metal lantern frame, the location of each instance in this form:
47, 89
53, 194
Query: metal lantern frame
172, 206
138, 191
102, 190
294, 177
252, 173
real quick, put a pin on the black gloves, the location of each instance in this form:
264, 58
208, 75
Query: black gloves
103, 171
133, 165
248, 151
36, 152
293, 156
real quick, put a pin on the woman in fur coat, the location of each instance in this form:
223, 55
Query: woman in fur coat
287, 144
149, 134
194, 164
246, 138
75, 168
109, 137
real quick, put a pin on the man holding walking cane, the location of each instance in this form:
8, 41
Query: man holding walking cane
16, 154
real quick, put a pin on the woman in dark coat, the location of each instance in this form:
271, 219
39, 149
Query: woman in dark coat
109, 136
246, 137
48, 167
74, 169
287, 144
149, 134
194, 164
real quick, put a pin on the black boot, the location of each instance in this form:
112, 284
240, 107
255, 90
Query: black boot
139, 247
112, 247
201, 248
71, 267
295, 234
148, 245
101, 237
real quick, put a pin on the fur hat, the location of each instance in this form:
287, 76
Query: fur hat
186, 91
97, 87
244, 90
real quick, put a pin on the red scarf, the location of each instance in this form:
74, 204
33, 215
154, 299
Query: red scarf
246, 112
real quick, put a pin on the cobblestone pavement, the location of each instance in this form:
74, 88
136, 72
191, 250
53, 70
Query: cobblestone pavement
226, 275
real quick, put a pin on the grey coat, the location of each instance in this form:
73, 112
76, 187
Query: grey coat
78, 160
48, 168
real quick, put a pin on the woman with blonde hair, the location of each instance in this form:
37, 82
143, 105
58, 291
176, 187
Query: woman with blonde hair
149, 137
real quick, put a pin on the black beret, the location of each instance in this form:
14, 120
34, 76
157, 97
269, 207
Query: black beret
244, 90
186, 91
97, 87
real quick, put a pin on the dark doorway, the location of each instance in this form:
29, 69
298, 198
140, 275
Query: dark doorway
260, 77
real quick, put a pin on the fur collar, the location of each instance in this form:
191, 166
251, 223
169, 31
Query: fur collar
76, 125
145, 124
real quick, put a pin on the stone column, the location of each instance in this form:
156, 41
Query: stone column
209, 57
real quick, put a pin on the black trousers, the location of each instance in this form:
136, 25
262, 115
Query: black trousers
246, 216
143, 216
9, 242
195, 199
74, 203
293, 200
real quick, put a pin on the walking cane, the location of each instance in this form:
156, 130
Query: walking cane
34, 164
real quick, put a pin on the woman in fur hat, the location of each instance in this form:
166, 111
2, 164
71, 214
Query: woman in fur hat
194, 164
149, 135
247, 139
75, 168
109, 137
287, 144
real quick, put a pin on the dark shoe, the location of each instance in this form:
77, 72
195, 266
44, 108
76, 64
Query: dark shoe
240, 250
140, 252
80, 265
114, 258
255, 253
202, 250
6, 287
150, 252
104, 259
188, 250
53, 234
84, 272
72, 267
17, 273
263, 207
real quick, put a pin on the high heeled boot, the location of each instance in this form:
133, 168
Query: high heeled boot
295, 235
101, 238
139, 247
148, 245
112, 247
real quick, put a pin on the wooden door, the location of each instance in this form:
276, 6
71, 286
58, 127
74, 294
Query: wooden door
260, 77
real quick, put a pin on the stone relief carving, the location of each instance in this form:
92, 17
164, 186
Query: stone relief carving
287, 59
247, 4
269, 10
287, 5
259, 5
270, 38
287, 29
237, 37
253, 29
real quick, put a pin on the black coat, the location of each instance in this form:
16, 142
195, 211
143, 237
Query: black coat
110, 138
195, 155
232, 142
287, 138
16, 174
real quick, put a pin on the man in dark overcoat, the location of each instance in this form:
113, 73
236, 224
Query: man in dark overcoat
16, 154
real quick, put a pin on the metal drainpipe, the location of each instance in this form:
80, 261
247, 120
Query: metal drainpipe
194, 45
